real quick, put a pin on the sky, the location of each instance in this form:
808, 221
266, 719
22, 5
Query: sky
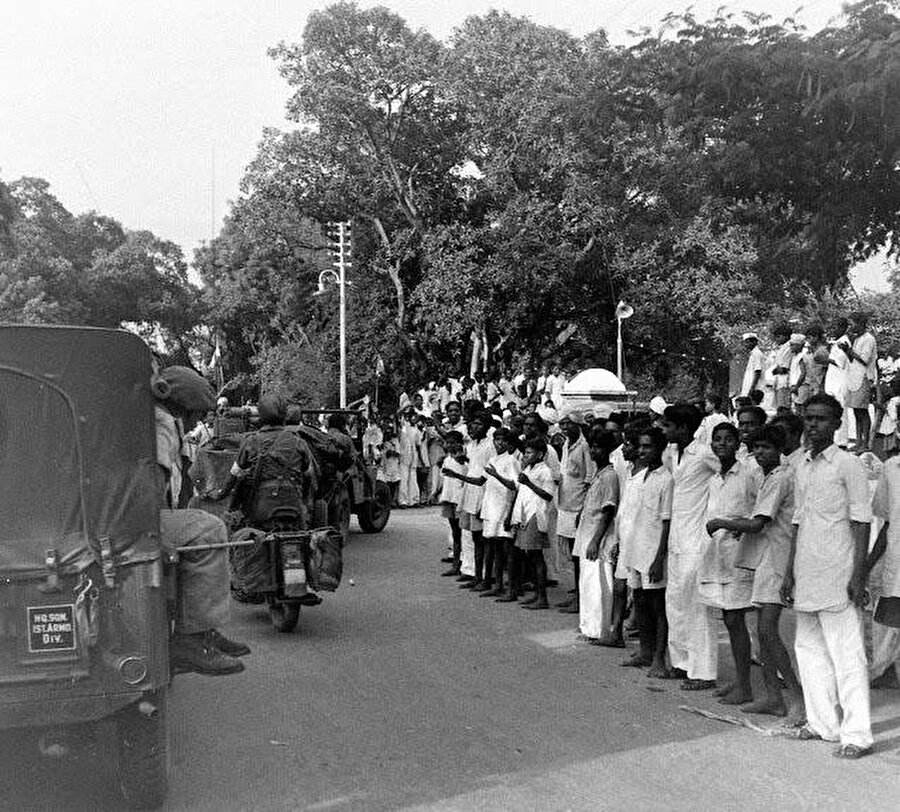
149, 110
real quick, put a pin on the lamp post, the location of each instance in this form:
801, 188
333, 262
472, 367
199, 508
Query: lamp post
340, 234
623, 311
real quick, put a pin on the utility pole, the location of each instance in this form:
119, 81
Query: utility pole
340, 237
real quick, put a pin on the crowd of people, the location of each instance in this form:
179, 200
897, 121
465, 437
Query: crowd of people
803, 363
675, 517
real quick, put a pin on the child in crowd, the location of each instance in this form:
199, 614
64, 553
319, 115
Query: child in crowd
724, 585
749, 420
594, 541
765, 550
479, 450
825, 579
502, 472
388, 460
454, 468
792, 427
537, 487
644, 545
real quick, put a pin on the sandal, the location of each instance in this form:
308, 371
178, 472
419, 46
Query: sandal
698, 684
851, 751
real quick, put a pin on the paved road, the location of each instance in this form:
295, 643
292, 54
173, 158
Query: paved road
403, 692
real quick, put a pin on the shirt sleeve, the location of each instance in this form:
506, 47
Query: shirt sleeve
610, 495
857, 489
881, 499
757, 359
799, 492
546, 481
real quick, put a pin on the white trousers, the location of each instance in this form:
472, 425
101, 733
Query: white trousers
693, 641
409, 486
831, 659
885, 649
595, 599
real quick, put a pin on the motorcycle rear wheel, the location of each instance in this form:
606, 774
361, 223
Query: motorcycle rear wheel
284, 615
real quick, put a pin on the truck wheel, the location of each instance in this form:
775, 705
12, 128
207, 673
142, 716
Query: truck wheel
284, 615
144, 753
373, 515
339, 512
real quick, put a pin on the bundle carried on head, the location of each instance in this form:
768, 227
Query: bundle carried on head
183, 388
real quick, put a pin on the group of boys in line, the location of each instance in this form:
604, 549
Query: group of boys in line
694, 517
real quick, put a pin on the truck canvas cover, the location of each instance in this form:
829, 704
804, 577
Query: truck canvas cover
77, 448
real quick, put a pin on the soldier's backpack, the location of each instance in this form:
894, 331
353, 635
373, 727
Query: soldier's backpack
280, 481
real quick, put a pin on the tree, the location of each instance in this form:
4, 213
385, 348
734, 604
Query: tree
378, 143
87, 269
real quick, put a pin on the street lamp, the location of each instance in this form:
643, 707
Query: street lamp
341, 236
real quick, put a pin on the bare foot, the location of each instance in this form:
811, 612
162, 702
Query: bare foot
527, 601
658, 671
539, 604
770, 707
737, 696
722, 690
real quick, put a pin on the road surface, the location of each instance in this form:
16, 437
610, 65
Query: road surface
403, 692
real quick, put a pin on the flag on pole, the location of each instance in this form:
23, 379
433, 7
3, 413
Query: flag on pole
379, 367
624, 311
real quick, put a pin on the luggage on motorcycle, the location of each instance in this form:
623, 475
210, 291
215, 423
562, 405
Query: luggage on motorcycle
326, 563
251, 567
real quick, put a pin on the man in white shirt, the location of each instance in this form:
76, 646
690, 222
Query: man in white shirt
577, 470
826, 582
753, 372
862, 354
781, 366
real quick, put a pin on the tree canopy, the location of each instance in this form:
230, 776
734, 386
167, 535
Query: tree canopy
509, 186
58, 267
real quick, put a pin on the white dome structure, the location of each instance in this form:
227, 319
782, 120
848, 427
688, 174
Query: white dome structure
599, 391
591, 381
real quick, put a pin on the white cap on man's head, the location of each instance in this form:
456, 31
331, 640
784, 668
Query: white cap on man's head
745, 336
798, 338
572, 414
658, 405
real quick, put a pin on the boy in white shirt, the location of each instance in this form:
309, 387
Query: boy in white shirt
643, 547
530, 518
502, 472
723, 585
454, 468
479, 450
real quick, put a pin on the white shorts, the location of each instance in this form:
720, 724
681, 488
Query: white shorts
494, 529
